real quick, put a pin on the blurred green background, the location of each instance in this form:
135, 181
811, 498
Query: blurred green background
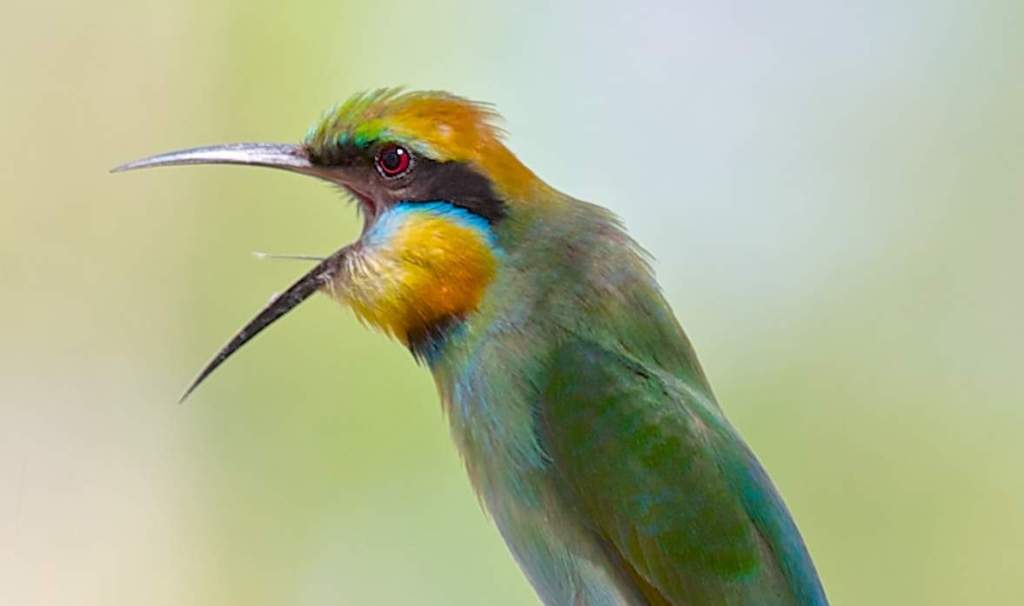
833, 194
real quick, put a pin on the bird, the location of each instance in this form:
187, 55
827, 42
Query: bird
585, 422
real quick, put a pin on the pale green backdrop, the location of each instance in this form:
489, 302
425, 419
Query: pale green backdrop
833, 194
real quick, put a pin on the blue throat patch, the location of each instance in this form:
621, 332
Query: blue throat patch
390, 220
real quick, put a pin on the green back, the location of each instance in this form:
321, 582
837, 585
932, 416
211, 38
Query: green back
576, 375
668, 485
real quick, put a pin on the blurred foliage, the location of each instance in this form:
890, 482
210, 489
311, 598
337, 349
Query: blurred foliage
833, 193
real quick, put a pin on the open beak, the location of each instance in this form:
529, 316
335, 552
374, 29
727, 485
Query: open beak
292, 158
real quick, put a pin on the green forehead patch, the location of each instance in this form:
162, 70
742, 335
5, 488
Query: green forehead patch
358, 121
423, 121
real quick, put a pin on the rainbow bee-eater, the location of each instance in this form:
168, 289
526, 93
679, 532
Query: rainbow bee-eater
584, 419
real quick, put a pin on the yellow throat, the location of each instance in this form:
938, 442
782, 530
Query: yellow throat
420, 265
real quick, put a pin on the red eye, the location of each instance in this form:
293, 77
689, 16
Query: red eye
393, 160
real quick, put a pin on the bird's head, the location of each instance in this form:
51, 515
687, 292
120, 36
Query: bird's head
436, 187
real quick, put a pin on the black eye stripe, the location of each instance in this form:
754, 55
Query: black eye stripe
456, 183
426, 181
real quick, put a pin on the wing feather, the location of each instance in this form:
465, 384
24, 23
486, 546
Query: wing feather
665, 481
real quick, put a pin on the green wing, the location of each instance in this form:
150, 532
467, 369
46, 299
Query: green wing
671, 490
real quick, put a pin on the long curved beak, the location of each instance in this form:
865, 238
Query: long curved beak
319, 277
282, 156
